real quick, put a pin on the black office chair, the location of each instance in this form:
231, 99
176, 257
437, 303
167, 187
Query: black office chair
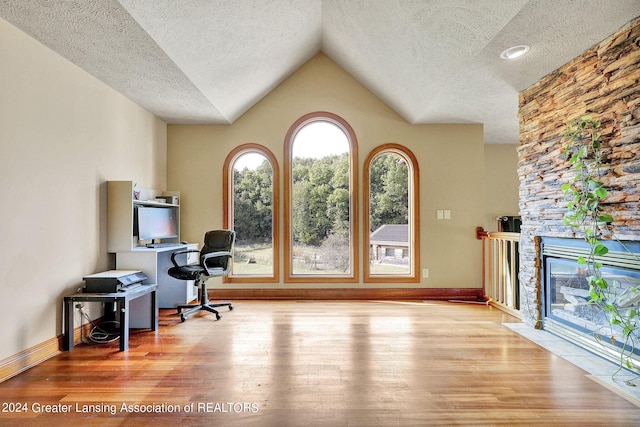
215, 261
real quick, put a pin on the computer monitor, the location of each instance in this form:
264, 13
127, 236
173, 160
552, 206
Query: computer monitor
157, 223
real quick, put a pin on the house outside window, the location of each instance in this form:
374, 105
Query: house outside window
391, 213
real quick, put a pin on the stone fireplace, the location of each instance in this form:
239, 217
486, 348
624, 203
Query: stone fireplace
603, 82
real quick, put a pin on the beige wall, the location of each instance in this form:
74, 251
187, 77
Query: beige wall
62, 135
501, 182
451, 161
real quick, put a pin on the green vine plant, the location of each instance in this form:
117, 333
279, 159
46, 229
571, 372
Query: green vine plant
585, 194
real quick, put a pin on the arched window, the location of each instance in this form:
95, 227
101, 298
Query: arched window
391, 215
321, 194
251, 209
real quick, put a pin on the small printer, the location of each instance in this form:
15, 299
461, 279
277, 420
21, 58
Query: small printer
112, 281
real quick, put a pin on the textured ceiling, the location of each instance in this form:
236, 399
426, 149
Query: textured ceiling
432, 61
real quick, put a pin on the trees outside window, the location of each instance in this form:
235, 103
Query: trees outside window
320, 199
321, 211
251, 201
391, 215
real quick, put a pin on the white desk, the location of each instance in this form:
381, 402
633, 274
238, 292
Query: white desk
154, 263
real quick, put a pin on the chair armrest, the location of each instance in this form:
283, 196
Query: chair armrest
173, 256
219, 254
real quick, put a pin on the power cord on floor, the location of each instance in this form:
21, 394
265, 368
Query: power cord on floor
97, 334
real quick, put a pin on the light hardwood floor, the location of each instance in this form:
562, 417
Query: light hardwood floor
288, 363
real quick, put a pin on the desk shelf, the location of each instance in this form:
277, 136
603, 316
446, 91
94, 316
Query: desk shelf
121, 204
132, 254
153, 203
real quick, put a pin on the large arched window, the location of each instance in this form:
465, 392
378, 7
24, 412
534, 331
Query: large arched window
391, 215
321, 194
251, 209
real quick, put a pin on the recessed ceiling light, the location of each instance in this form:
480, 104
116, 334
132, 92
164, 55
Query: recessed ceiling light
515, 52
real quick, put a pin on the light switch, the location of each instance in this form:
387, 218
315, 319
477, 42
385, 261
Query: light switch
440, 214
447, 214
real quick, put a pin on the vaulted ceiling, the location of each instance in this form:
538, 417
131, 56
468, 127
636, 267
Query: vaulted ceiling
432, 61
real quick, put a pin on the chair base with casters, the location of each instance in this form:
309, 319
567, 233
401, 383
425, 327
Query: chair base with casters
215, 261
204, 304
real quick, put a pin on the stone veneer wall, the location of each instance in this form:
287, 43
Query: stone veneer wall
605, 83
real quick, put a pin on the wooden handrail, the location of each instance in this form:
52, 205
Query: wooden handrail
481, 233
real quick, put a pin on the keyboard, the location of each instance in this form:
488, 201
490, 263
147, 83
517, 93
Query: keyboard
161, 245
130, 287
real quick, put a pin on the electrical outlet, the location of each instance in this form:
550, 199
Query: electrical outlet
425, 273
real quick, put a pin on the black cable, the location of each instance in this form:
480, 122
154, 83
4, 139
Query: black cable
97, 334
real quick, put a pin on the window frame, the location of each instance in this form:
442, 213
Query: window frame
227, 182
353, 277
414, 212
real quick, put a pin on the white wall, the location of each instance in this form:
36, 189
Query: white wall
62, 135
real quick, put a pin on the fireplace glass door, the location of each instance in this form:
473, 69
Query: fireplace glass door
568, 296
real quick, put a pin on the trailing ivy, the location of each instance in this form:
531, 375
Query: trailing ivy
585, 194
